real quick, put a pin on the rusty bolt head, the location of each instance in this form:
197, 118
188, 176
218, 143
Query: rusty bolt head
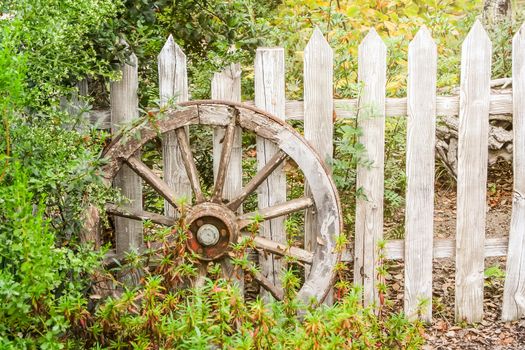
212, 229
208, 235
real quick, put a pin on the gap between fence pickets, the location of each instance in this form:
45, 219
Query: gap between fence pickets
346, 108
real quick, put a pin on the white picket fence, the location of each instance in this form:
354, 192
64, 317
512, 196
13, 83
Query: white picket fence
421, 105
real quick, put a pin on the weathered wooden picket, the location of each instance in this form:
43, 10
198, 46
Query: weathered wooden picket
422, 106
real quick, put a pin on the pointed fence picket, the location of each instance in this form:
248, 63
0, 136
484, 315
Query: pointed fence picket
473, 132
318, 113
514, 290
124, 108
418, 249
419, 214
269, 96
173, 87
370, 176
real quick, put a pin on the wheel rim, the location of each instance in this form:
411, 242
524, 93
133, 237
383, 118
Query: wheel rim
220, 215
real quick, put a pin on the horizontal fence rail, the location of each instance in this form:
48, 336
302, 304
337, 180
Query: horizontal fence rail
500, 104
423, 107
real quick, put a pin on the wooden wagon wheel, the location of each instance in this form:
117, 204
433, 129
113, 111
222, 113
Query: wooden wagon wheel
213, 222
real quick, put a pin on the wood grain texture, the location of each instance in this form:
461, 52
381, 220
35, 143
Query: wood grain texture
274, 162
446, 248
472, 173
442, 249
124, 108
371, 120
514, 290
275, 211
224, 160
318, 115
173, 88
419, 213
152, 179
186, 155
269, 96
283, 250
500, 103
139, 214
226, 85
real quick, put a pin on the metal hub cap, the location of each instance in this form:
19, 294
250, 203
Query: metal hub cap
212, 228
208, 235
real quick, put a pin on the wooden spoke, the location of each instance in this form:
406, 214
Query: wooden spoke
275, 291
189, 164
323, 199
301, 255
201, 277
227, 146
276, 210
138, 214
258, 179
152, 179
231, 272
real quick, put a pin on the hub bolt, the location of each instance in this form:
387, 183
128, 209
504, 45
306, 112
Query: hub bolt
208, 235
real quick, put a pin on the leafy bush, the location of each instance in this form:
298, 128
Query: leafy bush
162, 312
59, 153
47, 176
215, 316
59, 41
41, 284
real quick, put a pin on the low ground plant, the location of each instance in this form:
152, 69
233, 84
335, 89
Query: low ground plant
170, 309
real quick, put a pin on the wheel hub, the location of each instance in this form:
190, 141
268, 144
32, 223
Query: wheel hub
208, 235
211, 230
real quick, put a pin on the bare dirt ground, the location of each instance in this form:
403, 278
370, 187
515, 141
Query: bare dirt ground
444, 333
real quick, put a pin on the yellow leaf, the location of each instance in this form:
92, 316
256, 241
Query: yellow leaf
353, 11
411, 10
390, 26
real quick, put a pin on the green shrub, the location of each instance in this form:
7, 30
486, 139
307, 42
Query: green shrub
60, 40
162, 312
41, 284
215, 317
